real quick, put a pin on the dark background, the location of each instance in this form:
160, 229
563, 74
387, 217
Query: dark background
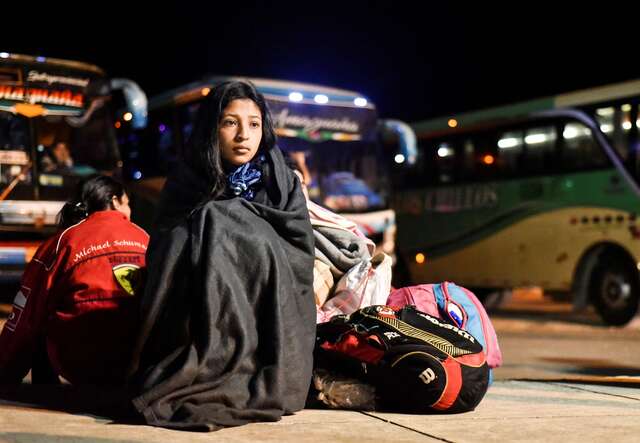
415, 59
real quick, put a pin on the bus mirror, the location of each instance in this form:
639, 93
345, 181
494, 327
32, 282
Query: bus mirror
78, 122
406, 139
136, 100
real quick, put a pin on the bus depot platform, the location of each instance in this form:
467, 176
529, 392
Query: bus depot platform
511, 411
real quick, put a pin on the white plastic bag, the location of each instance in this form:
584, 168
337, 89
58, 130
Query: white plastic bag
368, 283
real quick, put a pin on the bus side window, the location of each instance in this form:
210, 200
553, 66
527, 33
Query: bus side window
486, 157
468, 161
510, 153
615, 122
579, 150
445, 160
539, 150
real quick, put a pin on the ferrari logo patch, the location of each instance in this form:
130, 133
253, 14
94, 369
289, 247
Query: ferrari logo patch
128, 277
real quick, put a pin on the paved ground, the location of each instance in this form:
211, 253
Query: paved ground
511, 411
544, 340
566, 378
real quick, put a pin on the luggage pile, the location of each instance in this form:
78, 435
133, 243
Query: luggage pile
428, 348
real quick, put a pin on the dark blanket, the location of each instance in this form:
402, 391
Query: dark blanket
228, 314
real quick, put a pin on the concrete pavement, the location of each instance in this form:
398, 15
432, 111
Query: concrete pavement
583, 385
511, 411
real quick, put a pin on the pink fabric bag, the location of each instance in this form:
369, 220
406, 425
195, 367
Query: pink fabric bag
456, 305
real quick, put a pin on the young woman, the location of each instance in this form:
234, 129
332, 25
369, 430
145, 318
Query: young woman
78, 302
228, 314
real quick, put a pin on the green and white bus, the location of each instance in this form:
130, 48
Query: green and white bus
333, 134
541, 193
57, 124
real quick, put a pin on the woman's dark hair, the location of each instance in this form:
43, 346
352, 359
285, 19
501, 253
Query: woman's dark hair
202, 153
92, 194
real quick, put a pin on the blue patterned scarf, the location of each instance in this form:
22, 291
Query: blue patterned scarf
243, 181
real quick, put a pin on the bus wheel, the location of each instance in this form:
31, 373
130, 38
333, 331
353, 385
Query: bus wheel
615, 289
491, 298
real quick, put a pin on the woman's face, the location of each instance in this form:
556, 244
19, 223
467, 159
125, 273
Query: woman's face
240, 131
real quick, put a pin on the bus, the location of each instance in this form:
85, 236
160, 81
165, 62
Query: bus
57, 124
541, 193
334, 136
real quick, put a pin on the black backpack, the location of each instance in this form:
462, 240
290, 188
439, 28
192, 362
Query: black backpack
417, 363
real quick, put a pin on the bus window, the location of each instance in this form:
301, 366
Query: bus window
579, 150
166, 145
445, 163
71, 147
14, 132
539, 153
605, 118
626, 117
468, 159
341, 177
186, 117
510, 152
486, 157
156, 147
615, 122
14, 155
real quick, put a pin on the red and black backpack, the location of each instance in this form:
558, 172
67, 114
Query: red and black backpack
416, 362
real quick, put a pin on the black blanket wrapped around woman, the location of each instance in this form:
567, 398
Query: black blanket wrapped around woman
228, 315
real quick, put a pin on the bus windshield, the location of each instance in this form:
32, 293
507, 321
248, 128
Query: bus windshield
345, 177
336, 145
66, 149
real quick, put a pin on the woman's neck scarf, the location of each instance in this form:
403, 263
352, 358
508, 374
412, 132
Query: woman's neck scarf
245, 179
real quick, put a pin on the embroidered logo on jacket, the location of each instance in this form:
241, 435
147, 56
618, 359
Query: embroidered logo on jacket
128, 277
19, 303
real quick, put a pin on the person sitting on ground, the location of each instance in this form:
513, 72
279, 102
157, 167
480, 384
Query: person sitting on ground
76, 312
228, 313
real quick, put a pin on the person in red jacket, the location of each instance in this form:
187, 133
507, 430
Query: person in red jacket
76, 312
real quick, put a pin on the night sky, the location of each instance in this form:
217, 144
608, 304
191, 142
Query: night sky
415, 62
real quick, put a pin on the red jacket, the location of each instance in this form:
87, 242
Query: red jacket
81, 293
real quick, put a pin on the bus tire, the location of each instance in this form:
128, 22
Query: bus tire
491, 298
614, 289
482, 293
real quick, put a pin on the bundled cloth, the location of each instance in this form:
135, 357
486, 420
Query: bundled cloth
228, 325
339, 249
322, 281
346, 277
323, 217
